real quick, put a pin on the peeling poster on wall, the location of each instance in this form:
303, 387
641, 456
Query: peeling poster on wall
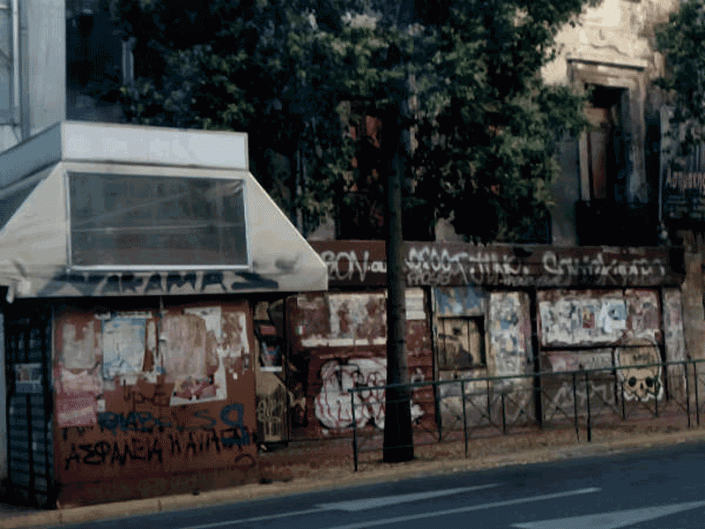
123, 346
78, 345
582, 321
197, 347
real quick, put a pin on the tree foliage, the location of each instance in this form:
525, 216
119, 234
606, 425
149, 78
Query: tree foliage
682, 40
297, 74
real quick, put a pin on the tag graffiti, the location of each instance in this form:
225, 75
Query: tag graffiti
345, 266
434, 267
150, 439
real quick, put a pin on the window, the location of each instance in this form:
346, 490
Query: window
605, 158
138, 222
461, 343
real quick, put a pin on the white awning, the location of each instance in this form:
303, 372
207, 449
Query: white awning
91, 209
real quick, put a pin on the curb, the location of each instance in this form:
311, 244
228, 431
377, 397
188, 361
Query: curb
304, 485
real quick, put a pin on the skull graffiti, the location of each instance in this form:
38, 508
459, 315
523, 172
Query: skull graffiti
640, 383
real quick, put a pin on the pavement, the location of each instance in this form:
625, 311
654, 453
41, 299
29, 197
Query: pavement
308, 466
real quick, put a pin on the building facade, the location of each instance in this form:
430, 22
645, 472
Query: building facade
472, 312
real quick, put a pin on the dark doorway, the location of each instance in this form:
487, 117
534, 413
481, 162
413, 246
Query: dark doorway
29, 400
607, 163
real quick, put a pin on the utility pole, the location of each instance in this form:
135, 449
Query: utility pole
398, 438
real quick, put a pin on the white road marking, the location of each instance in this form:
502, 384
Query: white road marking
612, 520
351, 505
384, 501
434, 514
255, 519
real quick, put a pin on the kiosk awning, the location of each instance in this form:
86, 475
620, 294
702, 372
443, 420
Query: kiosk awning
91, 209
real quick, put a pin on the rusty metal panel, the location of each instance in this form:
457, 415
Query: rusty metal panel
339, 341
147, 399
363, 263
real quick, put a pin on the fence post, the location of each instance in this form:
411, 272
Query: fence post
656, 396
504, 416
575, 408
465, 416
687, 392
352, 406
621, 387
587, 402
697, 398
439, 412
489, 404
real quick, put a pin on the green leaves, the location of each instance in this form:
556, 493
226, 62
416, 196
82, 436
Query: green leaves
682, 39
297, 74
492, 131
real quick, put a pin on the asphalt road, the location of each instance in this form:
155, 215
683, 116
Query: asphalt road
657, 489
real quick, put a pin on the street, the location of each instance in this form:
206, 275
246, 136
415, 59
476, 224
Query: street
645, 490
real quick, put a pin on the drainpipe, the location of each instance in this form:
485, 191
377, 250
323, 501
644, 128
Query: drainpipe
15, 93
22, 68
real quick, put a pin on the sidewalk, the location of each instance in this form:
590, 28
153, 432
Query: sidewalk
300, 468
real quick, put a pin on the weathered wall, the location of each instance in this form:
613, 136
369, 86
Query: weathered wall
596, 307
602, 329
614, 32
153, 401
693, 291
338, 341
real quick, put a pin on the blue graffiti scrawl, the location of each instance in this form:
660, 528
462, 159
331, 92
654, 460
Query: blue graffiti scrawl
460, 301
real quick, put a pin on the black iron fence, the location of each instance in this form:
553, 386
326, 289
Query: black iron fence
462, 409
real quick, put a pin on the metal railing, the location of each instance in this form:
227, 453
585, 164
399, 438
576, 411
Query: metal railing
461, 409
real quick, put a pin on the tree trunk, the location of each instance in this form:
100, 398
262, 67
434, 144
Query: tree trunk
398, 439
